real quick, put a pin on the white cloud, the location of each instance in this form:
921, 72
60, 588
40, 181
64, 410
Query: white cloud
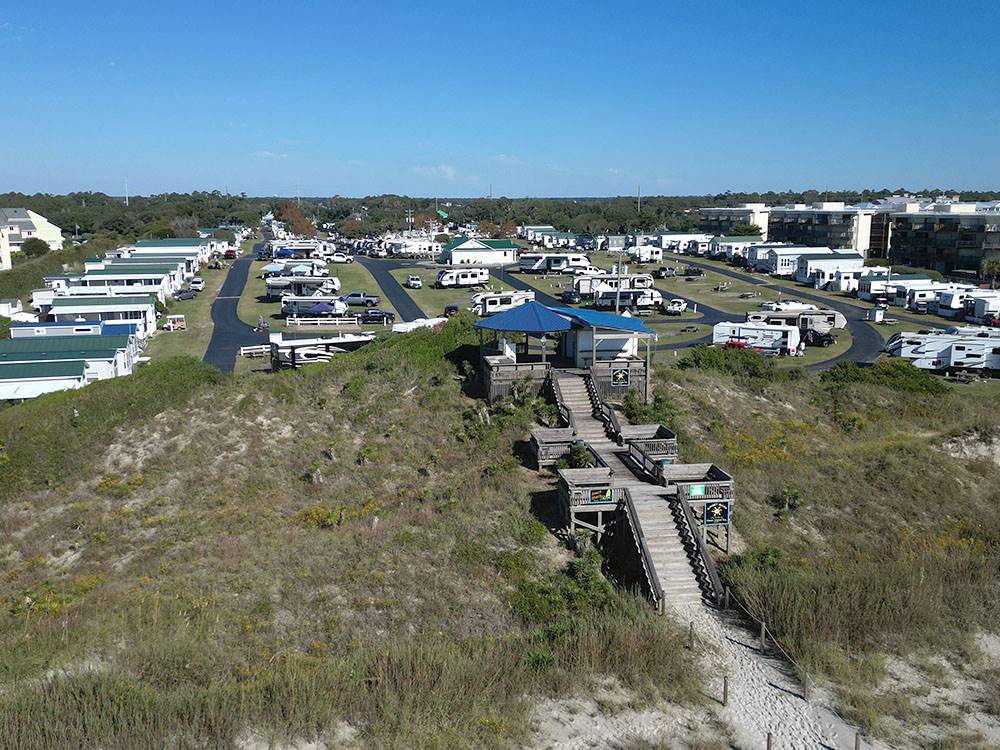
614, 170
265, 154
507, 159
446, 171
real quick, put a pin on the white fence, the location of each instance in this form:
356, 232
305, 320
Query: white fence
348, 321
252, 352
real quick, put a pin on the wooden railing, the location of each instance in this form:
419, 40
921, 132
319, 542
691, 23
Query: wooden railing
705, 570
644, 554
564, 411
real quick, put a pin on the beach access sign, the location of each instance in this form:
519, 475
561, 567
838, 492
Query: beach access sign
621, 376
717, 514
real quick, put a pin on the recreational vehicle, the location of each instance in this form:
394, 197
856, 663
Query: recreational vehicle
551, 262
983, 309
639, 300
301, 286
646, 253
489, 303
589, 285
953, 303
297, 352
462, 277
818, 320
294, 306
954, 349
758, 336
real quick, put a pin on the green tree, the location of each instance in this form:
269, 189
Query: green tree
33, 247
489, 229
989, 268
744, 230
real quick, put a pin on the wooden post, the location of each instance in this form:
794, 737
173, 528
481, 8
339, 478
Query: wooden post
649, 367
805, 687
725, 598
691, 634
770, 741
763, 635
725, 690
857, 741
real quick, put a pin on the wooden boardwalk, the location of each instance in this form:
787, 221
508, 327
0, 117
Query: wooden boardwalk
668, 562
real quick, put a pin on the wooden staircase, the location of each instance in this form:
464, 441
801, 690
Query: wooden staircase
665, 559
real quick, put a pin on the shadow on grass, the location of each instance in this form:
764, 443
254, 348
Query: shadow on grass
544, 506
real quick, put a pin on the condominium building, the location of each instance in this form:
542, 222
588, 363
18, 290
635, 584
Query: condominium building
20, 224
833, 224
946, 237
721, 220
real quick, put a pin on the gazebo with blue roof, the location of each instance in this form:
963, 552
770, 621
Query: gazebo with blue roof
605, 344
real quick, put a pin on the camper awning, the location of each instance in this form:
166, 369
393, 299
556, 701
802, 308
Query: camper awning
531, 318
273, 268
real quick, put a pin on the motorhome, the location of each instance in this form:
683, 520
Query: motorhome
639, 300
965, 348
818, 320
758, 336
590, 285
551, 262
489, 303
294, 306
462, 277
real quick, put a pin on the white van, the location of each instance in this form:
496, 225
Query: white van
489, 303
462, 277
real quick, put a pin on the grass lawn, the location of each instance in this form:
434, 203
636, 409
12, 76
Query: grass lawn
432, 301
673, 333
817, 354
198, 315
551, 284
353, 277
700, 289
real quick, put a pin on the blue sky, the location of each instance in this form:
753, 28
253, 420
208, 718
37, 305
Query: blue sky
542, 98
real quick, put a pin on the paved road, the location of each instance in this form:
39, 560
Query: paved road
866, 343
406, 308
229, 332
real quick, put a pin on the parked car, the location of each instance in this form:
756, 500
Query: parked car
450, 311
197, 283
414, 282
812, 337
664, 273
692, 271
339, 257
675, 306
571, 297
185, 294
361, 299
231, 254
374, 315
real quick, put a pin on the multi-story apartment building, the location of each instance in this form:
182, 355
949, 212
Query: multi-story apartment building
721, 220
831, 224
19, 224
946, 237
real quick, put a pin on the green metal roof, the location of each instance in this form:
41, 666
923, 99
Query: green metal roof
500, 244
460, 240
74, 355
491, 244
129, 270
63, 343
95, 301
29, 370
173, 242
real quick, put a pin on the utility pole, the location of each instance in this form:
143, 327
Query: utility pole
126, 192
491, 191
638, 192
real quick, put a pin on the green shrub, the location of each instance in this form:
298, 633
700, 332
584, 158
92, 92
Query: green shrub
894, 373
662, 410
742, 364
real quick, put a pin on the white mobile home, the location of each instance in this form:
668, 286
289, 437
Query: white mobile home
875, 286
464, 250
783, 261
759, 336
820, 269
140, 310
32, 379
736, 246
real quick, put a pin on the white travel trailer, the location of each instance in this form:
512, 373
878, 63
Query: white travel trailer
489, 303
639, 300
299, 306
758, 336
588, 285
646, 253
919, 298
983, 309
963, 348
551, 262
953, 303
301, 286
462, 277
823, 321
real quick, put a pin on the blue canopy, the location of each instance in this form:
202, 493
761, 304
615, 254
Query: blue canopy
531, 318
598, 319
321, 308
284, 253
